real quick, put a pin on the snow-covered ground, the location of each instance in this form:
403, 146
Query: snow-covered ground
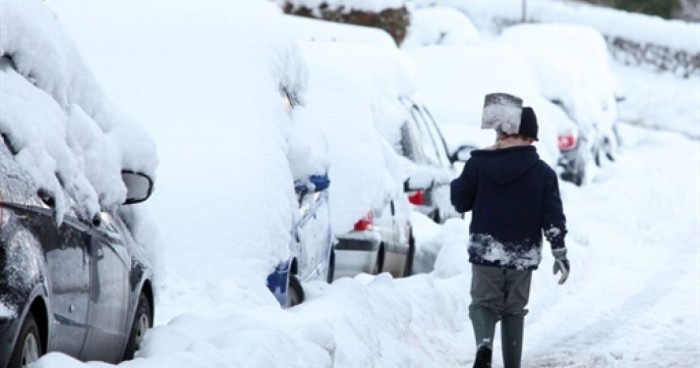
632, 299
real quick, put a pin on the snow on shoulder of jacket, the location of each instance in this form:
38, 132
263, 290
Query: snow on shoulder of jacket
513, 196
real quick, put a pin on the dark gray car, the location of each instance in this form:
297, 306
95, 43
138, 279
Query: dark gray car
82, 287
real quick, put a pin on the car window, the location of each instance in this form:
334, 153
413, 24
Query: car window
409, 137
425, 140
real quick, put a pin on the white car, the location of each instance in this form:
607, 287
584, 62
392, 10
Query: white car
227, 110
369, 209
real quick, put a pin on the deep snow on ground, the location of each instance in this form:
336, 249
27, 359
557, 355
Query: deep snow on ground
631, 301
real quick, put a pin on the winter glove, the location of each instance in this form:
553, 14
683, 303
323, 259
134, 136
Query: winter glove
561, 263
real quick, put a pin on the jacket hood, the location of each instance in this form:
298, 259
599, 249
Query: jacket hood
506, 165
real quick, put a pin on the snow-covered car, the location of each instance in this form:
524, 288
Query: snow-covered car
369, 210
455, 79
76, 272
430, 170
439, 25
82, 287
236, 103
578, 78
312, 256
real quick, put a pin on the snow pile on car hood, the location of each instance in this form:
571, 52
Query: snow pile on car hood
56, 118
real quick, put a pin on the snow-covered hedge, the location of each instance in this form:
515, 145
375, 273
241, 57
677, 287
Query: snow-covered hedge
389, 15
633, 38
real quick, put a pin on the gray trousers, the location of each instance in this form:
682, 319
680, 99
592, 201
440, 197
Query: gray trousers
505, 292
500, 294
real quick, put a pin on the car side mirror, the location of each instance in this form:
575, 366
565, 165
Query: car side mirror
462, 153
139, 186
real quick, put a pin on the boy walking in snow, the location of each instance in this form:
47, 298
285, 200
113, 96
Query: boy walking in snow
514, 197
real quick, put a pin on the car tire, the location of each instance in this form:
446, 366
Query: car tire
379, 264
295, 292
331, 268
408, 267
435, 216
28, 348
143, 320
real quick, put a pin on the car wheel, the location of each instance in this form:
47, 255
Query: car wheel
28, 348
331, 267
435, 216
379, 264
408, 268
143, 320
596, 157
609, 150
295, 293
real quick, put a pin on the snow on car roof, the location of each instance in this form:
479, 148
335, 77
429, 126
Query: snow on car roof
207, 84
66, 133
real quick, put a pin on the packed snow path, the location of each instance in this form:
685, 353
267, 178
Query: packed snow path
633, 299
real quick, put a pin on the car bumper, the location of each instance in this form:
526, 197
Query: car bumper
356, 253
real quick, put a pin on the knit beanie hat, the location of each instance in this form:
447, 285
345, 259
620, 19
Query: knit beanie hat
528, 123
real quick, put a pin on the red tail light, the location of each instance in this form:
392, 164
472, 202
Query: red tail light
417, 198
365, 223
567, 141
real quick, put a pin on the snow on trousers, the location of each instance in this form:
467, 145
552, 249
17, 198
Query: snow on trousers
500, 294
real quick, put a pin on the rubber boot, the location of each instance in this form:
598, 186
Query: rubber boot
484, 324
512, 340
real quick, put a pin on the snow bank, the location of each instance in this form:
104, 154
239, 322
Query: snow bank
634, 38
677, 110
57, 118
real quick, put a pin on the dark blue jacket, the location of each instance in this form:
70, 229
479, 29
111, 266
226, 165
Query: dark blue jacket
513, 196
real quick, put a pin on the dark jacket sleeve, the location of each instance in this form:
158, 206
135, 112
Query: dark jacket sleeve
553, 219
463, 188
